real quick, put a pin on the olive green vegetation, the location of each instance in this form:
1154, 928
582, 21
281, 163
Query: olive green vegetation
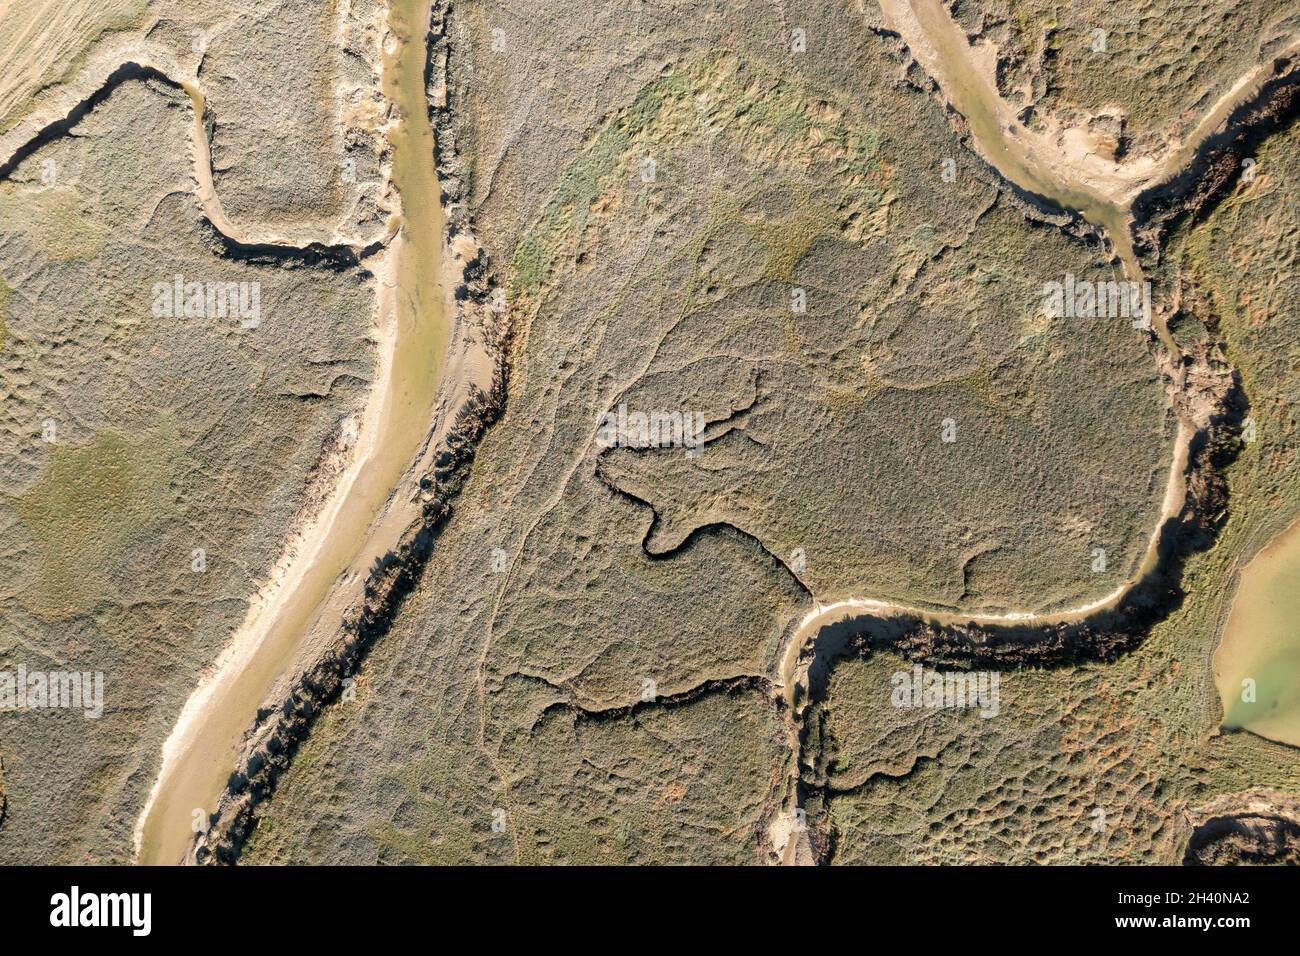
773, 112
582, 182
524, 690
61, 221
88, 505
1163, 59
1139, 739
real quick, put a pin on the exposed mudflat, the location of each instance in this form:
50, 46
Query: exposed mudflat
648, 436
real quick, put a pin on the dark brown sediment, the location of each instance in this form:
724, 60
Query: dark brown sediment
1258, 827
1217, 163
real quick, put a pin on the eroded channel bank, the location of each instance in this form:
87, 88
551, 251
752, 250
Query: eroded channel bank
473, 397
373, 504
1205, 391
967, 642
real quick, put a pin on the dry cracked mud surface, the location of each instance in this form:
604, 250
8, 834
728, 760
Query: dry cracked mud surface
464, 432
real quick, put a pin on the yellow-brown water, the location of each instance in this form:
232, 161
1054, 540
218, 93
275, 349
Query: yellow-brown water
1257, 663
977, 100
205, 756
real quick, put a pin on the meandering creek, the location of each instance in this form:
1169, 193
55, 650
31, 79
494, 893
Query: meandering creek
1262, 638
371, 505
942, 47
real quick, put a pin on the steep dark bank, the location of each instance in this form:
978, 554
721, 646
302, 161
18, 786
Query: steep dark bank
270, 745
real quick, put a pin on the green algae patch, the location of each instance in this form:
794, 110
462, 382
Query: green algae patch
87, 508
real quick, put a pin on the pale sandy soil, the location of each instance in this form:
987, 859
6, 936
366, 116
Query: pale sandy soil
41, 40
321, 577
1070, 154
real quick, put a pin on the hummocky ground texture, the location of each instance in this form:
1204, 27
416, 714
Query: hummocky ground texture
753, 216
593, 617
152, 460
